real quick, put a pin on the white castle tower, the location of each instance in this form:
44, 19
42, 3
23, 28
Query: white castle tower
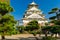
33, 13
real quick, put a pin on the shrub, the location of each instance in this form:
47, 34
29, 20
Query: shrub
33, 25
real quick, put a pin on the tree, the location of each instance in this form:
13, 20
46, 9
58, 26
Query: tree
56, 11
32, 27
4, 8
7, 21
52, 29
56, 22
46, 30
55, 30
20, 28
7, 24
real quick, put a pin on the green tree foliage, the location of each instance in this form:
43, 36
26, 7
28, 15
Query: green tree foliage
4, 8
7, 24
52, 29
56, 22
46, 30
20, 28
56, 11
53, 18
7, 21
33, 32
55, 29
33, 25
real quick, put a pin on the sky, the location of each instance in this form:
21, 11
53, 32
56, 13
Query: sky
20, 7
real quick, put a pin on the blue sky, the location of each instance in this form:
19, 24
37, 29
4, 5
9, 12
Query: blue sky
21, 5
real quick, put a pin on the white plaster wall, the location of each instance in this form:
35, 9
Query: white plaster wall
25, 21
41, 22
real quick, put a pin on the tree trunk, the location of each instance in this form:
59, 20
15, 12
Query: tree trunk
3, 37
59, 35
36, 38
52, 35
46, 35
39, 35
56, 35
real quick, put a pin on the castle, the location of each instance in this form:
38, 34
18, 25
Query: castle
34, 13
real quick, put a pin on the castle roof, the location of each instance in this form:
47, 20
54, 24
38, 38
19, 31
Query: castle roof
34, 9
33, 3
34, 15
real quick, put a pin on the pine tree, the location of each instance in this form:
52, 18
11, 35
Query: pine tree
7, 21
